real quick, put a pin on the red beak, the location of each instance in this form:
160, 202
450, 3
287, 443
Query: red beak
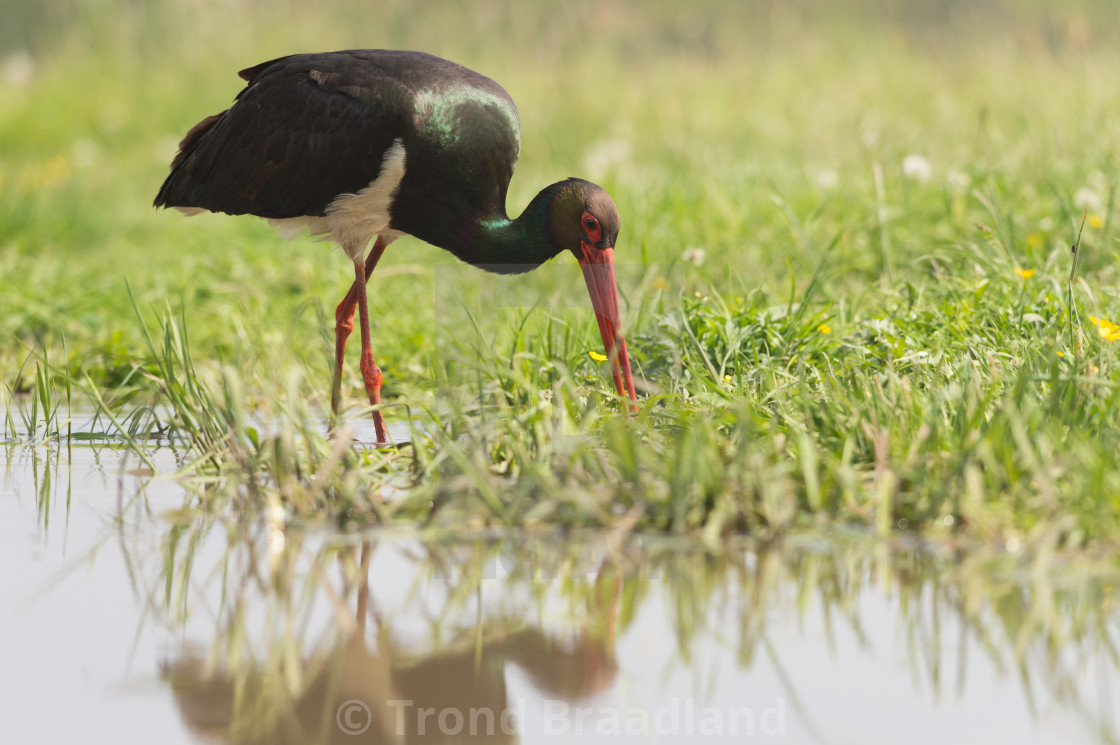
598, 272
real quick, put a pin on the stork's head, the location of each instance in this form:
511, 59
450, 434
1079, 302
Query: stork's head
584, 220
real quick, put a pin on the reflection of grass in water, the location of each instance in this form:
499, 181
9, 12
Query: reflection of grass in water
563, 602
40, 413
864, 337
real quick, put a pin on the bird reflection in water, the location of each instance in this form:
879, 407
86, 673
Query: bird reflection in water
377, 690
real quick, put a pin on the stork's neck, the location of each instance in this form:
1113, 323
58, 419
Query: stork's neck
499, 244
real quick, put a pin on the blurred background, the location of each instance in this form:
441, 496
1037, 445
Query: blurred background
698, 117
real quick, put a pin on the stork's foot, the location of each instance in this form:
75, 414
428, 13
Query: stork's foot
371, 376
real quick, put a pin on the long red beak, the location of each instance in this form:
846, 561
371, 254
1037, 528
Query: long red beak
598, 272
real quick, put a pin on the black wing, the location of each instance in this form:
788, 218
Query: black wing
304, 130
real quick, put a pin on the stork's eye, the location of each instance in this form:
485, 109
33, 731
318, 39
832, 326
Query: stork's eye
591, 226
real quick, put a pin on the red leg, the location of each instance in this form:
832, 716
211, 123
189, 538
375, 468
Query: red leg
371, 373
344, 323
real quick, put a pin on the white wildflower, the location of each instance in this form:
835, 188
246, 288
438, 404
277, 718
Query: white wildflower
917, 168
1087, 199
694, 255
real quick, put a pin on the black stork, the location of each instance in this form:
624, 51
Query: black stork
369, 145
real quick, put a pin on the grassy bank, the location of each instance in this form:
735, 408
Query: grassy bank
845, 265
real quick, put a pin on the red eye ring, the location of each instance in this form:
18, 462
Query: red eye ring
591, 227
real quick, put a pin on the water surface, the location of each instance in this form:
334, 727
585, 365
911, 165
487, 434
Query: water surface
128, 615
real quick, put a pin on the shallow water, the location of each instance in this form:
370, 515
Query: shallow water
126, 617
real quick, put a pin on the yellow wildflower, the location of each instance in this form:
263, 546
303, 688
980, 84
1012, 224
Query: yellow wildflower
1035, 240
660, 284
824, 328
1108, 330
1024, 273
1061, 354
1095, 221
596, 356
726, 378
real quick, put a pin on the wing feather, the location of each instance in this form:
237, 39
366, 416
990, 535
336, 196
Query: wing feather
304, 130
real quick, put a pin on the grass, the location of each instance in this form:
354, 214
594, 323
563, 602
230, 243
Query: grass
950, 612
884, 326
